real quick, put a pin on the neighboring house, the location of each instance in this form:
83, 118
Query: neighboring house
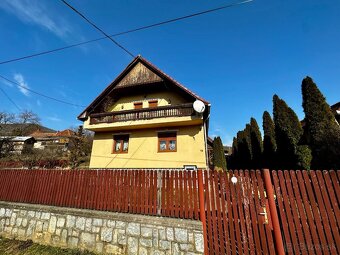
145, 119
227, 151
55, 140
210, 148
16, 144
336, 110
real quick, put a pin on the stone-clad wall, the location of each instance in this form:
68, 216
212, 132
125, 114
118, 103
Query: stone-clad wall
103, 232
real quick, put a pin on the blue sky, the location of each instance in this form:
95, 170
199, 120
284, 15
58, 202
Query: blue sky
236, 58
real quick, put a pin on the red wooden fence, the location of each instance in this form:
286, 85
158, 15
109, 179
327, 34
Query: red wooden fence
308, 207
237, 215
150, 192
238, 218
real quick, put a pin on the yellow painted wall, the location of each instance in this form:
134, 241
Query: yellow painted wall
143, 150
164, 98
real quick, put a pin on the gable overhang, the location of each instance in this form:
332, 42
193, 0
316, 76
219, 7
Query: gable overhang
109, 89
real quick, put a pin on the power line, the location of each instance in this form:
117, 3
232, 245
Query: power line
10, 99
40, 94
125, 32
96, 27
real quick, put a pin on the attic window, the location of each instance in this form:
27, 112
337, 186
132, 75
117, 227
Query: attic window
153, 103
138, 105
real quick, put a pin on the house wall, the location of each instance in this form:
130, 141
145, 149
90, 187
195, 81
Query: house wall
164, 98
102, 232
143, 149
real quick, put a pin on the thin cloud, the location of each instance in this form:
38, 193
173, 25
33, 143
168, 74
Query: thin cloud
218, 130
34, 12
38, 103
7, 83
19, 78
55, 119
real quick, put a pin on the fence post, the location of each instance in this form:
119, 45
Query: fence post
273, 212
202, 208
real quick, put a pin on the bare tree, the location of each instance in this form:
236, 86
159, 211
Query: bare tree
7, 118
6, 146
81, 145
27, 116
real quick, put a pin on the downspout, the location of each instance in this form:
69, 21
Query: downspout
206, 143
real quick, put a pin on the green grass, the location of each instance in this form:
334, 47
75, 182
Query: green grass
16, 247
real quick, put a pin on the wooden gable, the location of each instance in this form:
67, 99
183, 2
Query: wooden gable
139, 74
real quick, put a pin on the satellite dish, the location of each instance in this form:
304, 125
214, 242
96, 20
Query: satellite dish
199, 106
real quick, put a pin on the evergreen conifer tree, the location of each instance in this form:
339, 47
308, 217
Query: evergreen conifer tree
288, 132
269, 142
256, 144
321, 130
233, 160
239, 163
219, 157
304, 157
244, 147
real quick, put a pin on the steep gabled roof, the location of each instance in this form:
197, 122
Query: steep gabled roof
158, 76
65, 133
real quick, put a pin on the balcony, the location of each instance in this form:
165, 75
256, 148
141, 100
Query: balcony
182, 110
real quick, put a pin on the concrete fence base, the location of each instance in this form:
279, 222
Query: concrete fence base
102, 232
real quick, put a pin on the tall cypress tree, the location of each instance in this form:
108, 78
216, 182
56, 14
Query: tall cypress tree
233, 160
219, 160
256, 143
269, 141
247, 156
239, 163
288, 132
321, 130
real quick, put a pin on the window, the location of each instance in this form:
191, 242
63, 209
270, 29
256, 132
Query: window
167, 142
153, 103
120, 144
138, 105
190, 167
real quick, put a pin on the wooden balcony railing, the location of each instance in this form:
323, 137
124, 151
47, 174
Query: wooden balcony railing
143, 114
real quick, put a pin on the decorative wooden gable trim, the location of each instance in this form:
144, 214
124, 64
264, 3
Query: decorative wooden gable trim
139, 74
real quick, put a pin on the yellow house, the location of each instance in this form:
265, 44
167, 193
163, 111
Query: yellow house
146, 119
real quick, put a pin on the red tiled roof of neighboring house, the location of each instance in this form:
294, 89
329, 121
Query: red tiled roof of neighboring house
149, 65
40, 134
65, 133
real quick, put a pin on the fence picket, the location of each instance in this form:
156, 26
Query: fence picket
321, 206
330, 191
301, 211
240, 199
329, 210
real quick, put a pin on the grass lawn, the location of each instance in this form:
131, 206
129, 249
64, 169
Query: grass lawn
16, 247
